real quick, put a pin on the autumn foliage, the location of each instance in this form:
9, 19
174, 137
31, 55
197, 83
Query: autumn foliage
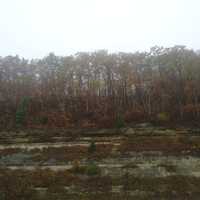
94, 89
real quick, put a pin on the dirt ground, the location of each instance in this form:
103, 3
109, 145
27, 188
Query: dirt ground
140, 162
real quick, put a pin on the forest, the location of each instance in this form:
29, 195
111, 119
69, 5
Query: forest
101, 125
100, 89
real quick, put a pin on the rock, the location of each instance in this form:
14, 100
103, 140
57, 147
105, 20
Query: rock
129, 131
144, 125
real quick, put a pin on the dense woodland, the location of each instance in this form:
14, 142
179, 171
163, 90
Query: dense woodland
100, 89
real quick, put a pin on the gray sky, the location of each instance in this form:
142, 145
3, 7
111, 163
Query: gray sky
33, 28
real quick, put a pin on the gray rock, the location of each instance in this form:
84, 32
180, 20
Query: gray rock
129, 131
144, 125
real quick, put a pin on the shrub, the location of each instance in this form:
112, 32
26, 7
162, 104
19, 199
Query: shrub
43, 120
163, 117
119, 122
92, 170
22, 111
77, 169
190, 111
105, 121
135, 115
92, 148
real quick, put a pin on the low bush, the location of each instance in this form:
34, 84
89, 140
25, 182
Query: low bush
92, 148
22, 111
135, 115
77, 169
92, 170
119, 123
163, 117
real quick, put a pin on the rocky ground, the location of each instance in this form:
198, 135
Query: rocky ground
136, 162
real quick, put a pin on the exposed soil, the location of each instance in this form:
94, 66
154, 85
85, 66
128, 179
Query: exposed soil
123, 158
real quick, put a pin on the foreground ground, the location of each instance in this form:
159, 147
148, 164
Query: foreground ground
139, 162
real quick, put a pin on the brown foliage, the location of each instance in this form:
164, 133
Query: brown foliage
91, 89
134, 115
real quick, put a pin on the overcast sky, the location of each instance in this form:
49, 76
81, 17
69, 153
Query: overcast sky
33, 28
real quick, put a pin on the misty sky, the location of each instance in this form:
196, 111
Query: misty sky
33, 28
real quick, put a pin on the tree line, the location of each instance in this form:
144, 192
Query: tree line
100, 89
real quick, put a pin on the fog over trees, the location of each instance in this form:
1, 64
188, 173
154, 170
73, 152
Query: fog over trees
95, 89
